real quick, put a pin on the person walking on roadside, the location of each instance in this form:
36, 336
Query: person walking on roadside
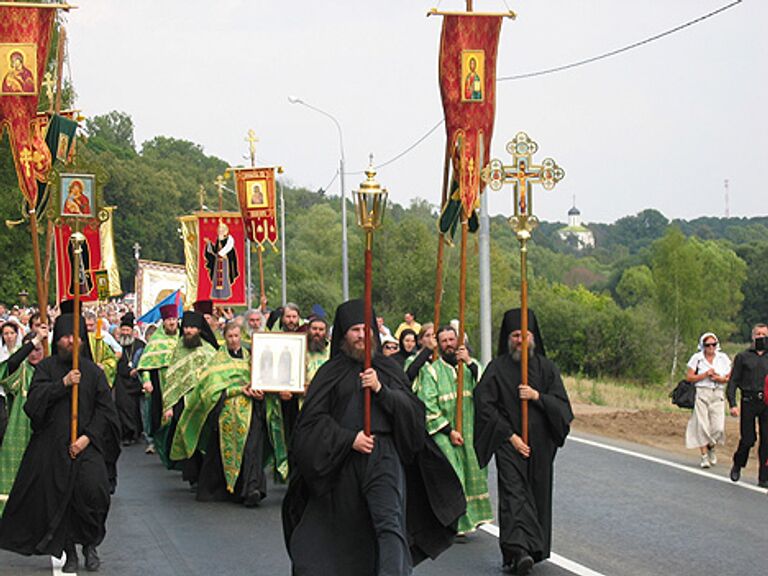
708, 370
750, 369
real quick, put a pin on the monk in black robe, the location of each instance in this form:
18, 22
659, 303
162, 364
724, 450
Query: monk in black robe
61, 495
345, 510
524, 470
128, 388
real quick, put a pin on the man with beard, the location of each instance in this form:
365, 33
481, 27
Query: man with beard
436, 385
127, 388
317, 347
525, 471
152, 368
345, 510
290, 321
224, 404
192, 354
61, 494
103, 347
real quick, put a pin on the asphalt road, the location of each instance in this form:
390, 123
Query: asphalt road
614, 514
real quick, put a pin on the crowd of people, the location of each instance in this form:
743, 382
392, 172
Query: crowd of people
184, 389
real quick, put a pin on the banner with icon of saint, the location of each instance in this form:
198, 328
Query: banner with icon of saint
256, 195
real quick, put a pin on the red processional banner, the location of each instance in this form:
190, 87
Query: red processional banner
468, 48
221, 259
256, 194
90, 262
25, 33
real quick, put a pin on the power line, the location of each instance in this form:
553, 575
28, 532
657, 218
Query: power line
563, 68
620, 50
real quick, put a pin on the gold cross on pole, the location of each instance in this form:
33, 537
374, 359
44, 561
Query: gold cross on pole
49, 83
523, 174
251, 139
201, 195
220, 188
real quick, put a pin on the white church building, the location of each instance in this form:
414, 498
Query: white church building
576, 231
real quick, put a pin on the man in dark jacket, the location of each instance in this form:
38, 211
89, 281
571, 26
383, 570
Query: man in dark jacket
128, 388
345, 511
750, 375
525, 471
61, 495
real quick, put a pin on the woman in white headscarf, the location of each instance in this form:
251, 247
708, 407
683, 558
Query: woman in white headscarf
708, 370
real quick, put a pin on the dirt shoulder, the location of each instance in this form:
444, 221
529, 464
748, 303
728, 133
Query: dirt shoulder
660, 429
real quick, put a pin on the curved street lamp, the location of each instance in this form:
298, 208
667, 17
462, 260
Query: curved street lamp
344, 258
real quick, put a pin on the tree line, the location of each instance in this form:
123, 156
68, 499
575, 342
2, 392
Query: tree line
630, 308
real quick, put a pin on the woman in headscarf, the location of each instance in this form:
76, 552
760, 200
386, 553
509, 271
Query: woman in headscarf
407, 346
709, 370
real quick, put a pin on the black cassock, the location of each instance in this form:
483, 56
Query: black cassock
55, 498
327, 524
128, 392
251, 485
525, 485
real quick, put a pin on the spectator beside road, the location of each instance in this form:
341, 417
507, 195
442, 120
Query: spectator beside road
708, 370
750, 369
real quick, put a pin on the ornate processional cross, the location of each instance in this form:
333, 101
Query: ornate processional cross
251, 139
523, 174
220, 188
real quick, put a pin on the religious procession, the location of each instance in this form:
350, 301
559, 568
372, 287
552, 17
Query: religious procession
178, 412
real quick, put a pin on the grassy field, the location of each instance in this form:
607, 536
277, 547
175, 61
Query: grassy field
626, 396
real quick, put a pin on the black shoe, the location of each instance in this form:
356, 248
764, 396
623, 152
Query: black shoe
763, 484
524, 565
735, 473
92, 561
253, 500
508, 568
70, 564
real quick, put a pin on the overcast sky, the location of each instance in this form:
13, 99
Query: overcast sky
659, 127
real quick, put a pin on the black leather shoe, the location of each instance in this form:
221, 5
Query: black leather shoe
735, 473
92, 561
763, 484
524, 565
70, 564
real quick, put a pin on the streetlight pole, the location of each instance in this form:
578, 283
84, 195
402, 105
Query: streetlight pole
283, 271
344, 258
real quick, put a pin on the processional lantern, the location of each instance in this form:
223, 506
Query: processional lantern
370, 205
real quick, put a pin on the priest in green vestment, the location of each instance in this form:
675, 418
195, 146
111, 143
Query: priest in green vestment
318, 350
436, 386
152, 368
15, 377
103, 355
225, 418
192, 354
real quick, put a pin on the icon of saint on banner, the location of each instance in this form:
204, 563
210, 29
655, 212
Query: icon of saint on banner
221, 263
257, 196
20, 69
473, 75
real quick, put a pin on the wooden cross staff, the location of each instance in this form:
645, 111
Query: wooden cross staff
523, 174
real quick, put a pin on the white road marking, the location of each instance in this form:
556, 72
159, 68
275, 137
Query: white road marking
556, 559
663, 462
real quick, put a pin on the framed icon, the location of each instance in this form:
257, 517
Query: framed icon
76, 196
278, 362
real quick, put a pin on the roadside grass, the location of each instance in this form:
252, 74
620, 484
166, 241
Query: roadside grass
624, 395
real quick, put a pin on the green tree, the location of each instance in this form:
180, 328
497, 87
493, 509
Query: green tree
636, 286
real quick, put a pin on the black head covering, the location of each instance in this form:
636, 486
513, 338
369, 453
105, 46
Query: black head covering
67, 306
511, 322
65, 326
274, 316
348, 314
194, 319
204, 307
128, 319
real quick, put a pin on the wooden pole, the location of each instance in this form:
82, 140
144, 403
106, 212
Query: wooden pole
460, 340
259, 250
42, 295
524, 332
60, 66
76, 330
441, 248
368, 311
